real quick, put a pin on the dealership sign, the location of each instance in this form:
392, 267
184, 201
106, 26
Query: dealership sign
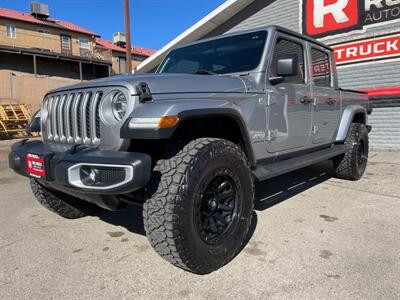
329, 17
368, 49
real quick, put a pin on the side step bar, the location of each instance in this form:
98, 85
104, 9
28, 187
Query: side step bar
273, 169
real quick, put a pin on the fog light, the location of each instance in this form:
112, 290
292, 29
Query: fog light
89, 176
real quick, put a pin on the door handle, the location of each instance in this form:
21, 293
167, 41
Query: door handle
330, 101
306, 100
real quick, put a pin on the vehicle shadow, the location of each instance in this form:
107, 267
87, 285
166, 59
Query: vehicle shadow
276, 190
129, 218
268, 194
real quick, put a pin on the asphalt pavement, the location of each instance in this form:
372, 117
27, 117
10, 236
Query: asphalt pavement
312, 237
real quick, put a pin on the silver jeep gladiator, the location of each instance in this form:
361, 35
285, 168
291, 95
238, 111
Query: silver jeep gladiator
189, 141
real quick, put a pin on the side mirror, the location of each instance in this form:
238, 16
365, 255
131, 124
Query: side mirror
287, 65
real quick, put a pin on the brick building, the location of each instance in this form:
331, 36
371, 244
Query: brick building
117, 52
364, 33
39, 53
40, 45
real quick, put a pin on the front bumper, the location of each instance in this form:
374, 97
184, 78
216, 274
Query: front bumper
62, 166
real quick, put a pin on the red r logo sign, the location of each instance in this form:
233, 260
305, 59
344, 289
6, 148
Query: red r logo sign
321, 17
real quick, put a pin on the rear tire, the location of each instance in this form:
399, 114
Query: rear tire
62, 204
351, 165
201, 205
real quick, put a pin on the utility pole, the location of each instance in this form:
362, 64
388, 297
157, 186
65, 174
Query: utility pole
128, 37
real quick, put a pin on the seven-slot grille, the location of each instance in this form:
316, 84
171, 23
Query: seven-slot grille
73, 118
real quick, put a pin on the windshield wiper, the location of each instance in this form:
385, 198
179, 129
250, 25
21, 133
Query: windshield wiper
205, 72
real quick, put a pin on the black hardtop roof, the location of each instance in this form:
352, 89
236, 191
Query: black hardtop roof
299, 35
267, 28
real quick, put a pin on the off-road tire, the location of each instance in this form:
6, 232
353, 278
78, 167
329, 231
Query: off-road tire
64, 205
351, 165
170, 213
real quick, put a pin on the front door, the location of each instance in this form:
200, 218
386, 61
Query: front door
289, 104
326, 98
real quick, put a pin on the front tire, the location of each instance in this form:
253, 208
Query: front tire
62, 204
201, 205
351, 165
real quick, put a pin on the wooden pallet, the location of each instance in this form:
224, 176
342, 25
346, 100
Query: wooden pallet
13, 119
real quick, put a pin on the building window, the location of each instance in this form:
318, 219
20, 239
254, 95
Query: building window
122, 65
83, 43
65, 42
11, 31
43, 31
321, 68
139, 58
84, 46
282, 47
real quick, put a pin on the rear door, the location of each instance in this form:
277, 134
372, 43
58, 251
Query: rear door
289, 104
326, 97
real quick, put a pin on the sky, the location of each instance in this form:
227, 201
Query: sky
154, 22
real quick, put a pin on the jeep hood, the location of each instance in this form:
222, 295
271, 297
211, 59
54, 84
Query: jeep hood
168, 83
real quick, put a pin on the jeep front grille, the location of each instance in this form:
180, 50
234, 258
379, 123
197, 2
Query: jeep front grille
73, 118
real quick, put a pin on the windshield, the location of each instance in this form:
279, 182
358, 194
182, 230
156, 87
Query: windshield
234, 54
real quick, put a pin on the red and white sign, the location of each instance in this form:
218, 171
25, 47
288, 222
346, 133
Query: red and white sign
328, 17
322, 17
35, 165
370, 49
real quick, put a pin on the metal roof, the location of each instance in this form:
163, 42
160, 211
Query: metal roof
210, 22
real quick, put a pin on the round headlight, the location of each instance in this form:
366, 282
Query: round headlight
119, 105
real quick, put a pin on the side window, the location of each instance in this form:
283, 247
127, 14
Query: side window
321, 68
284, 46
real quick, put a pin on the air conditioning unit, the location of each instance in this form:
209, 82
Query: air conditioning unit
40, 10
119, 38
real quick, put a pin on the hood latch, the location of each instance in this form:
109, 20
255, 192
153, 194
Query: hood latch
144, 92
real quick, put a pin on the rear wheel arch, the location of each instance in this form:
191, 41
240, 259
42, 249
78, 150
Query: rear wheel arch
352, 114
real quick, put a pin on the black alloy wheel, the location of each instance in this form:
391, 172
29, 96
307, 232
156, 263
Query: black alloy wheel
361, 155
218, 205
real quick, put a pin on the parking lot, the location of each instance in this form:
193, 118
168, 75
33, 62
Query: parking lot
313, 237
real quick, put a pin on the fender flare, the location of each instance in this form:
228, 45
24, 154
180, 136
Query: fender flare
346, 120
166, 133
224, 112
